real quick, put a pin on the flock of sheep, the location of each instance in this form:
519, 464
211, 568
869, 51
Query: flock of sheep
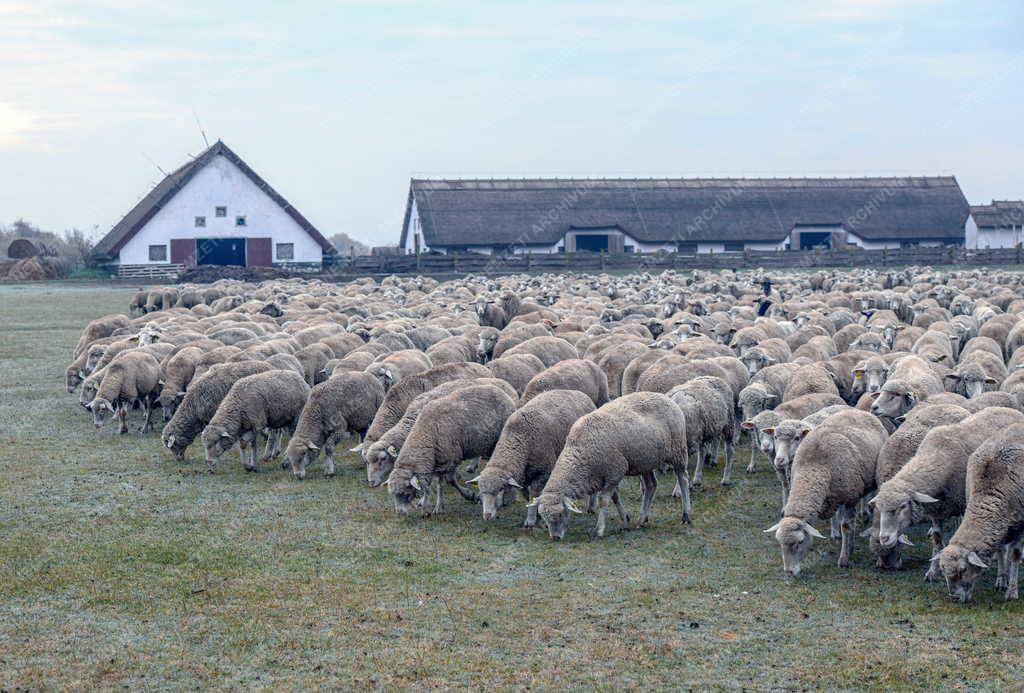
891, 398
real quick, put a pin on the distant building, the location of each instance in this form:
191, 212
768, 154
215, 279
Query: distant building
214, 210
998, 225
691, 215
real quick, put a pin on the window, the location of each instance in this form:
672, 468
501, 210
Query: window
221, 211
240, 220
285, 251
200, 222
158, 253
628, 249
734, 246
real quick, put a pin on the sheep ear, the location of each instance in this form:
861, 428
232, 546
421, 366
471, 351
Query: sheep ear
954, 376
571, 506
770, 398
990, 381
534, 503
872, 501
772, 528
415, 483
109, 405
513, 482
874, 395
475, 480
181, 393
225, 434
905, 540
974, 559
900, 419
804, 431
312, 446
923, 497
812, 531
747, 425
858, 373
770, 430
358, 448
392, 450
170, 442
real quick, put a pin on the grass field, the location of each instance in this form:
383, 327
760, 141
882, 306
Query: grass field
121, 568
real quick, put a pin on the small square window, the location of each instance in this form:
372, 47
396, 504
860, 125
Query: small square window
240, 220
222, 211
285, 251
200, 222
158, 253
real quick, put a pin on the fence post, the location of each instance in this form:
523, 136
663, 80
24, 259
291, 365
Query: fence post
602, 261
455, 261
529, 260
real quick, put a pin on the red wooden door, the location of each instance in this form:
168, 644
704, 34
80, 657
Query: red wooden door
183, 251
258, 252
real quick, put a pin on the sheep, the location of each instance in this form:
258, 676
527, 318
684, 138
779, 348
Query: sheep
453, 350
85, 363
530, 443
810, 379
381, 454
817, 349
992, 399
992, 519
833, 469
786, 435
396, 366
488, 339
355, 361
213, 357
399, 397
910, 381
461, 426
932, 482
550, 350
313, 359
637, 367
286, 362
571, 374
490, 314
674, 369
200, 403
98, 329
767, 353
517, 370
763, 392
897, 451
869, 375
514, 335
707, 405
633, 435
175, 375
255, 404
336, 407
977, 373
132, 378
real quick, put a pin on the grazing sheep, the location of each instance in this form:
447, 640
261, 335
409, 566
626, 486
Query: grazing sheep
398, 365
202, 398
633, 435
175, 375
550, 350
993, 519
707, 405
910, 381
833, 469
786, 436
399, 397
131, 379
255, 404
530, 443
932, 482
614, 362
313, 359
98, 329
464, 425
636, 368
339, 406
517, 370
810, 379
571, 374
380, 456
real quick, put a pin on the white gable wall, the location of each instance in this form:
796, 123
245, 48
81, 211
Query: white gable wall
220, 184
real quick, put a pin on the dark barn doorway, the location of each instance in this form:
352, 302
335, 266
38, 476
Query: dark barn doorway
220, 251
595, 243
809, 240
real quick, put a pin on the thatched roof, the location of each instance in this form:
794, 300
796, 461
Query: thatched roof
158, 197
999, 214
492, 212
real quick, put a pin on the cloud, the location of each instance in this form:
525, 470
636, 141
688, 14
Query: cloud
856, 10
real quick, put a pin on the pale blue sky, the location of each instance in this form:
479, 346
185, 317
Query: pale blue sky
338, 104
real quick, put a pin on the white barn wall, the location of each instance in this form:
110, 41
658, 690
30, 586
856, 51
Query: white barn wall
220, 183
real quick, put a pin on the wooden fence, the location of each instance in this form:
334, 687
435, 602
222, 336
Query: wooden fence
465, 263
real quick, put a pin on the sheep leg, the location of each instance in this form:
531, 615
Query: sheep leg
623, 515
730, 447
273, 446
246, 449
649, 482
531, 510
835, 527
592, 503
604, 499
122, 415
846, 528
147, 408
683, 482
935, 532
1012, 558
752, 467
439, 500
698, 472
466, 493
1001, 571
713, 452
784, 482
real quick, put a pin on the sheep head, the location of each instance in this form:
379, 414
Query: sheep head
961, 569
795, 537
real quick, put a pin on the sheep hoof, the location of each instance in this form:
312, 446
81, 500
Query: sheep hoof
1001, 582
726, 482
843, 563
284, 465
686, 519
751, 469
1011, 594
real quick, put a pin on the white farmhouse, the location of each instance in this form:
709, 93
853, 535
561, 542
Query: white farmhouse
214, 210
998, 225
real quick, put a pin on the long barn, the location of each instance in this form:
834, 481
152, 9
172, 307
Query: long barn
690, 215
213, 210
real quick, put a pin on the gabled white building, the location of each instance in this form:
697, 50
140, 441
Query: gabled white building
214, 210
998, 225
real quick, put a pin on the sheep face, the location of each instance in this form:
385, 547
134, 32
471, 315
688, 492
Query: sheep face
169, 402
380, 464
485, 349
785, 438
102, 410
174, 444
897, 510
961, 569
869, 376
795, 536
404, 490
893, 401
971, 379
492, 489
74, 378
298, 456
556, 510
216, 441
755, 359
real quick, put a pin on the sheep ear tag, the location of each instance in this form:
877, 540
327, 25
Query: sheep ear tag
415, 483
